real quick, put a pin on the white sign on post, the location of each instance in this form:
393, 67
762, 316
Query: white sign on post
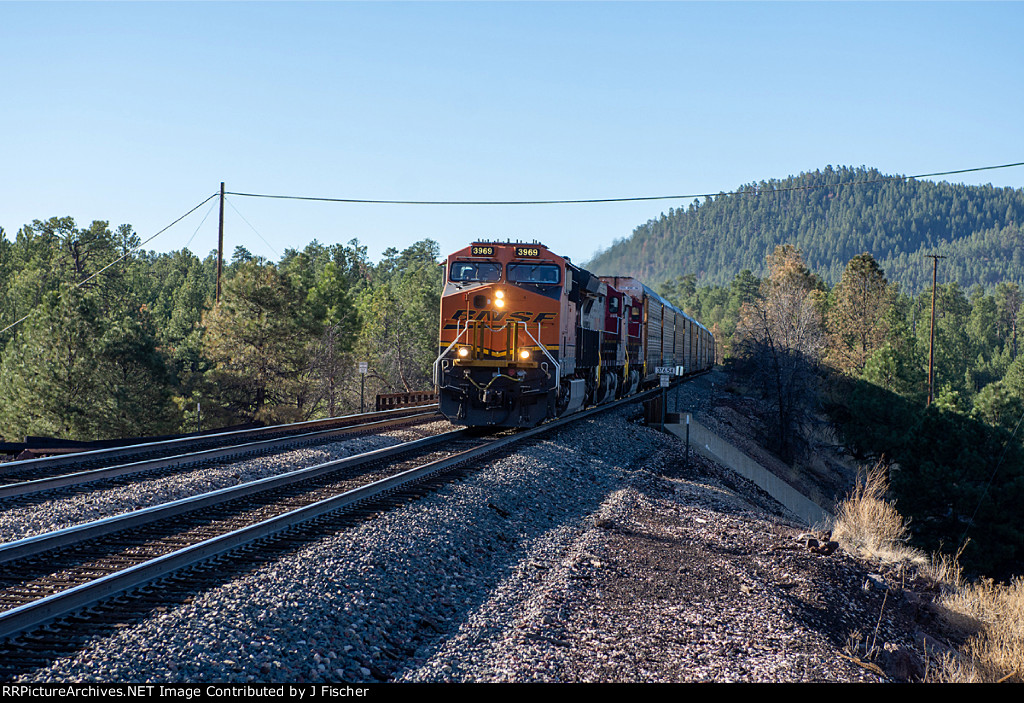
364, 366
665, 370
664, 380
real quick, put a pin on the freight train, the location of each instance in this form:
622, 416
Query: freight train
527, 336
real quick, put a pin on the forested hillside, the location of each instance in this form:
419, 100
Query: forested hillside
116, 348
849, 362
977, 227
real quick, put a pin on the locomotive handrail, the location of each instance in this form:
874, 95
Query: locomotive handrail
437, 361
543, 348
463, 330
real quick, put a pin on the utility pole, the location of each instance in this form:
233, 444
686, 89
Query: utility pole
931, 345
220, 240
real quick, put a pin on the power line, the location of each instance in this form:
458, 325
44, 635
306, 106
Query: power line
754, 191
251, 227
142, 244
118, 259
201, 223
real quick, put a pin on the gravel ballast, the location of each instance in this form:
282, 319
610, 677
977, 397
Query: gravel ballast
58, 509
591, 554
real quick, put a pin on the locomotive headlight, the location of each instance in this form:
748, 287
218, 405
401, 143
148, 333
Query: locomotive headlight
499, 294
463, 352
524, 354
499, 303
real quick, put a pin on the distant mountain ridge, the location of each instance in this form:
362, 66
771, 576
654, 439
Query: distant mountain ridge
832, 218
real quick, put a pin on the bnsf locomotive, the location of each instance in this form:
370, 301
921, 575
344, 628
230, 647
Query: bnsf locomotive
527, 336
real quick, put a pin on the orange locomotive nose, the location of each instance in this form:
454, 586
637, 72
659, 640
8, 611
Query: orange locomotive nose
496, 322
500, 325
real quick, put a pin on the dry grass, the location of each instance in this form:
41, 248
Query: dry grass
996, 651
867, 525
945, 571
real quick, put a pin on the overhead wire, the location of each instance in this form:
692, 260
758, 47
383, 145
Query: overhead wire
142, 244
120, 258
748, 191
251, 227
201, 223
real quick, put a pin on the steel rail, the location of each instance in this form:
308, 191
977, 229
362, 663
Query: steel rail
12, 490
32, 546
115, 453
37, 613
32, 615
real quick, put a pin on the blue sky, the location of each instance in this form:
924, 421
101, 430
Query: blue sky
135, 112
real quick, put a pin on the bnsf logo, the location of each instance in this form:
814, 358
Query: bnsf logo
492, 316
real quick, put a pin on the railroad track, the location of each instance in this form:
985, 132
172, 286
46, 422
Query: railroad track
31, 476
136, 452
63, 573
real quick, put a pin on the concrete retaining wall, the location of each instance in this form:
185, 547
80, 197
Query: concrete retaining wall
707, 443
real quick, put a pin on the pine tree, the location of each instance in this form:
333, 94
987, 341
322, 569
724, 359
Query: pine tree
48, 381
399, 314
257, 345
857, 320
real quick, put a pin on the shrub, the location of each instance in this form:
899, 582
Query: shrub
868, 525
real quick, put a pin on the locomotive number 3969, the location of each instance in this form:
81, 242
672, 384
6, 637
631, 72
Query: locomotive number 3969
527, 251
